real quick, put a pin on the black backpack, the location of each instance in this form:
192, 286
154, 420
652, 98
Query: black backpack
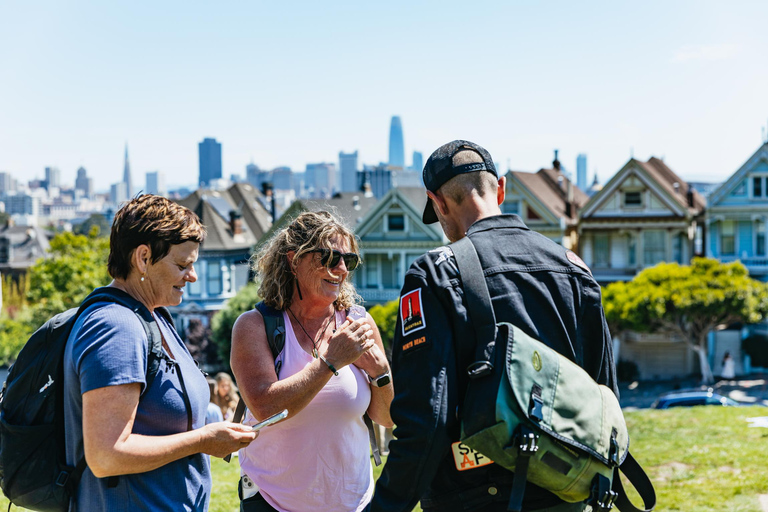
275, 329
33, 469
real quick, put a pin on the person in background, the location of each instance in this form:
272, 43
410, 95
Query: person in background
534, 283
153, 437
213, 414
226, 397
729, 367
332, 370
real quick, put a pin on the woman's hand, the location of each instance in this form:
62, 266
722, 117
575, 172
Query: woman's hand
224, 437
351, 341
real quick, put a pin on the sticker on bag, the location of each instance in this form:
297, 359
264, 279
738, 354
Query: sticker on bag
466, 458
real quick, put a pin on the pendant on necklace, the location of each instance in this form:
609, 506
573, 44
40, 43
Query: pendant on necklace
314, 353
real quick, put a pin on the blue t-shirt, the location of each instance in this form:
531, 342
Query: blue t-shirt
108, 347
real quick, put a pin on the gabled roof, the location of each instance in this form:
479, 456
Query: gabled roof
412, 201
727, 187
660, 179
351, 207
667, 178
213, 207
26, 245
550, 187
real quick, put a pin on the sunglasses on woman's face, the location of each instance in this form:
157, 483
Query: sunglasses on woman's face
331, 258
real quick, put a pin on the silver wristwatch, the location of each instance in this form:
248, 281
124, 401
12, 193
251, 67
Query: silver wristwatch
381, 380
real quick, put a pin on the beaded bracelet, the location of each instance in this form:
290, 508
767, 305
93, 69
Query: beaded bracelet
330, 366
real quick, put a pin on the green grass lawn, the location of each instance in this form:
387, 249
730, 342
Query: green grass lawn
700, 459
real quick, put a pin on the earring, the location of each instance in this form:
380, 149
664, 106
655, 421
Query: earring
142, 279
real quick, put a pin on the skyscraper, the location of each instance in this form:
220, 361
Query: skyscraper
52, 177
348, 166
210, 161
156, 183
83, 183
321, 178
418, 162
581, 171
396, 144
127, 175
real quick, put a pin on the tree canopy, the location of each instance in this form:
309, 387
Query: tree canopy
688, 300
222, 322
75, 266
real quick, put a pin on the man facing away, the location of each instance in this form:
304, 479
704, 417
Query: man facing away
534, 283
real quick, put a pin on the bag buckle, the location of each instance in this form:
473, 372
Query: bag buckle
602, 496
479, 369
62, 479
527, 441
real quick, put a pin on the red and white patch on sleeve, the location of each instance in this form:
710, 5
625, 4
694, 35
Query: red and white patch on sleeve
411, 312
573, 258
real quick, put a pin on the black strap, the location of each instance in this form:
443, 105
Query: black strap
372, 439
639, 480
476, 293
518, 484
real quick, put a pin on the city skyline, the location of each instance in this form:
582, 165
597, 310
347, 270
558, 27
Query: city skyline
598, 84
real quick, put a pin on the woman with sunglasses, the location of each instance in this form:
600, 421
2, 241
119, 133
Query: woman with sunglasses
331, 371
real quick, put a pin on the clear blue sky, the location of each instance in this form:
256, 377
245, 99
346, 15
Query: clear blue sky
287, 83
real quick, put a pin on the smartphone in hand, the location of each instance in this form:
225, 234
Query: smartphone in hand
271, 420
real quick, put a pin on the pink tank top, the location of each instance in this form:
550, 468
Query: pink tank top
318, 459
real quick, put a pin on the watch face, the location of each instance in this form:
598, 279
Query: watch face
382, 381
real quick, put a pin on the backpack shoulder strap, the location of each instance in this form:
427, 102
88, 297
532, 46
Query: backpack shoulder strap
117, 296
274, 325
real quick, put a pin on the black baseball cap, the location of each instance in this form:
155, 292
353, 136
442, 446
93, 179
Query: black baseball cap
440, 168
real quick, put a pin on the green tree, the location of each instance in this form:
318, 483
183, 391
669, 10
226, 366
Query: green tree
96, 219
76, 265
385, 316
687, 300
224, 319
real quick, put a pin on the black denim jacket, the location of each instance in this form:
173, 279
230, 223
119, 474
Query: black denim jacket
535, 284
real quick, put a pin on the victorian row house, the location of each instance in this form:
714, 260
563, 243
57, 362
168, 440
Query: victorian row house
235, 220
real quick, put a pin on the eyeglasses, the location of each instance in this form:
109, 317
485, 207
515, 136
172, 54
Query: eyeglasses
331, 258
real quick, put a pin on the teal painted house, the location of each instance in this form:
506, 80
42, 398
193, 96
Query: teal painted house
737, 214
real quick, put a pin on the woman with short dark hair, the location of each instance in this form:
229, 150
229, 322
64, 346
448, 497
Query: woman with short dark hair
153, 437
332, 371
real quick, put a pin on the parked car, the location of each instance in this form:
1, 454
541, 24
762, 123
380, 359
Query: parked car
691, 398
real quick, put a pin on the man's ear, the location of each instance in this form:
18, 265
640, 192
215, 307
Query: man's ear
438, 202
501, 191
142, 256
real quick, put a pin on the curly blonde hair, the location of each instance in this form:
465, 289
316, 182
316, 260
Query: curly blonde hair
307, 232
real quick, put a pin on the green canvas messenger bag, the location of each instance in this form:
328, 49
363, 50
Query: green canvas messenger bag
538, 414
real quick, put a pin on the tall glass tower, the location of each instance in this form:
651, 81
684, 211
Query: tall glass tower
581, 171
396, 145
210, 161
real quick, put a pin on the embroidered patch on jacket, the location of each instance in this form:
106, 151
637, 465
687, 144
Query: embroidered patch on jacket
411, 314
573, 258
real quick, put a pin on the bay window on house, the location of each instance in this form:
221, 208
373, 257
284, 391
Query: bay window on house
727, 238
602, 246
631, 250
214, 278
654, 246
759, 238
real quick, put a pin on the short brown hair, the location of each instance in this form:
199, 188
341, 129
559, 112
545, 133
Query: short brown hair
154, 221
307, 232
